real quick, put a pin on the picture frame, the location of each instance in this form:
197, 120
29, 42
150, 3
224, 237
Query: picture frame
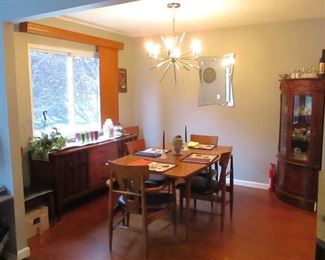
122, 80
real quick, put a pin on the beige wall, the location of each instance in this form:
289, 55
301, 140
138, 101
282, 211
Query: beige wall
12, 144
252, 125
23, 82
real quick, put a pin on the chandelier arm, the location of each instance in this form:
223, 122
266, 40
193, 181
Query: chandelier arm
188, 64
186, 53
165, 71
157, 66
188, 58
174, 73
164, 41
179, 43
183, 64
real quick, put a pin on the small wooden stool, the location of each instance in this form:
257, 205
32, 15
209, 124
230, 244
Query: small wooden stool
35, 197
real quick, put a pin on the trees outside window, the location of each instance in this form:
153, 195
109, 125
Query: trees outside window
65, 91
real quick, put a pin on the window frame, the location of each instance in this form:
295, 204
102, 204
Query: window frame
70, 52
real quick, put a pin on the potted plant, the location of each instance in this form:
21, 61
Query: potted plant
42, 146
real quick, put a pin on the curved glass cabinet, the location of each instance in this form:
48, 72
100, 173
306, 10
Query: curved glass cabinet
300, 141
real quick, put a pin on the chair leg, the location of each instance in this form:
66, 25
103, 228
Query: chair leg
222, 216
231, 184
174, 209
231, 201
211, 203
145, 236
194, 206
110, 229
127, 220
181, 201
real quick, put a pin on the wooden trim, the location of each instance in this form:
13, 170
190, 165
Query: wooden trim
108, 73
53, 32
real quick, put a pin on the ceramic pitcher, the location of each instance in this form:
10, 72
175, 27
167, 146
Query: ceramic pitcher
178, 144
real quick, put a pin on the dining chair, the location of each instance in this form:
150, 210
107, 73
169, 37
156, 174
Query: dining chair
213, 190
136, 198
204, 139
134, 130
208, 172
135, 146
139, 145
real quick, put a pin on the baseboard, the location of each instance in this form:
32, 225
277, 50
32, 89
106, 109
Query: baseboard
251, 184
21, 254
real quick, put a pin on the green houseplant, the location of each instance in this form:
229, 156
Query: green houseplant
42, 146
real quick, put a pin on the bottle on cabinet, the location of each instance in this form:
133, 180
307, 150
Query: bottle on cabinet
321, 70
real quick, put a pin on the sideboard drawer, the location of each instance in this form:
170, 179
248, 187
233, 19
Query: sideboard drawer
98, 158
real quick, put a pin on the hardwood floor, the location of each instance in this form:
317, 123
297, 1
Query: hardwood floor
262, 228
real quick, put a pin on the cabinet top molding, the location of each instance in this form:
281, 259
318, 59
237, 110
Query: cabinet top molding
58, 33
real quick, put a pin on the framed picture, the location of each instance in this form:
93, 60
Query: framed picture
122, 80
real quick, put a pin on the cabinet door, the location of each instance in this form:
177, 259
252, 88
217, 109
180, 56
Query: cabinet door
301, 130
98, 157
72, 172
305, 133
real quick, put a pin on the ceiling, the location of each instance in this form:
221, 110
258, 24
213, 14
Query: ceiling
152, 17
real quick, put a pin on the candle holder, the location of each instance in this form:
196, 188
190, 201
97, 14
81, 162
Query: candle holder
185, 148
163, 154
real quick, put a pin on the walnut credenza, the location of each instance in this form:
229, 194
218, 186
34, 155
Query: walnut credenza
75, 172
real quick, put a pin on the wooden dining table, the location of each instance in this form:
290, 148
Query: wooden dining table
183, 170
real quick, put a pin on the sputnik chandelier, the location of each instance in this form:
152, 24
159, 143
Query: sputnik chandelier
171, 56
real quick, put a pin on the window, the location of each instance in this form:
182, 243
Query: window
65, 91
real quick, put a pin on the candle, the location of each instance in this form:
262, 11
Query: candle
163, 139
185, 138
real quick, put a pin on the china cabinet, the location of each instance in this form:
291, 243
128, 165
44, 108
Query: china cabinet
300, 141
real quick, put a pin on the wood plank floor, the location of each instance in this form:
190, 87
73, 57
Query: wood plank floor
262, 228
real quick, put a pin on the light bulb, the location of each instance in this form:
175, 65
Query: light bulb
169, 43
196, 47
149, 46
153, 49
175, 53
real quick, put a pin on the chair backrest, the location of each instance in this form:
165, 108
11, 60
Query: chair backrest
134, 130
136, 145
223, 163
130, 183
204, 139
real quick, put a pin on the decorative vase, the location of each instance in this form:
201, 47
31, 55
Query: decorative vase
178, 144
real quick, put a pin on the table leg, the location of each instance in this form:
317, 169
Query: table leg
187, 205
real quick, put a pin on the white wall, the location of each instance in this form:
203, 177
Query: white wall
252, 125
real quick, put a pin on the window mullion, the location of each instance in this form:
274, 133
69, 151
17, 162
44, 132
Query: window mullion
71, 103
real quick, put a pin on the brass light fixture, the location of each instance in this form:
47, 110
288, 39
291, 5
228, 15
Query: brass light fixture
171, 56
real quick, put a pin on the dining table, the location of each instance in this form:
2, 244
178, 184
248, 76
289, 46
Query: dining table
183, 168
